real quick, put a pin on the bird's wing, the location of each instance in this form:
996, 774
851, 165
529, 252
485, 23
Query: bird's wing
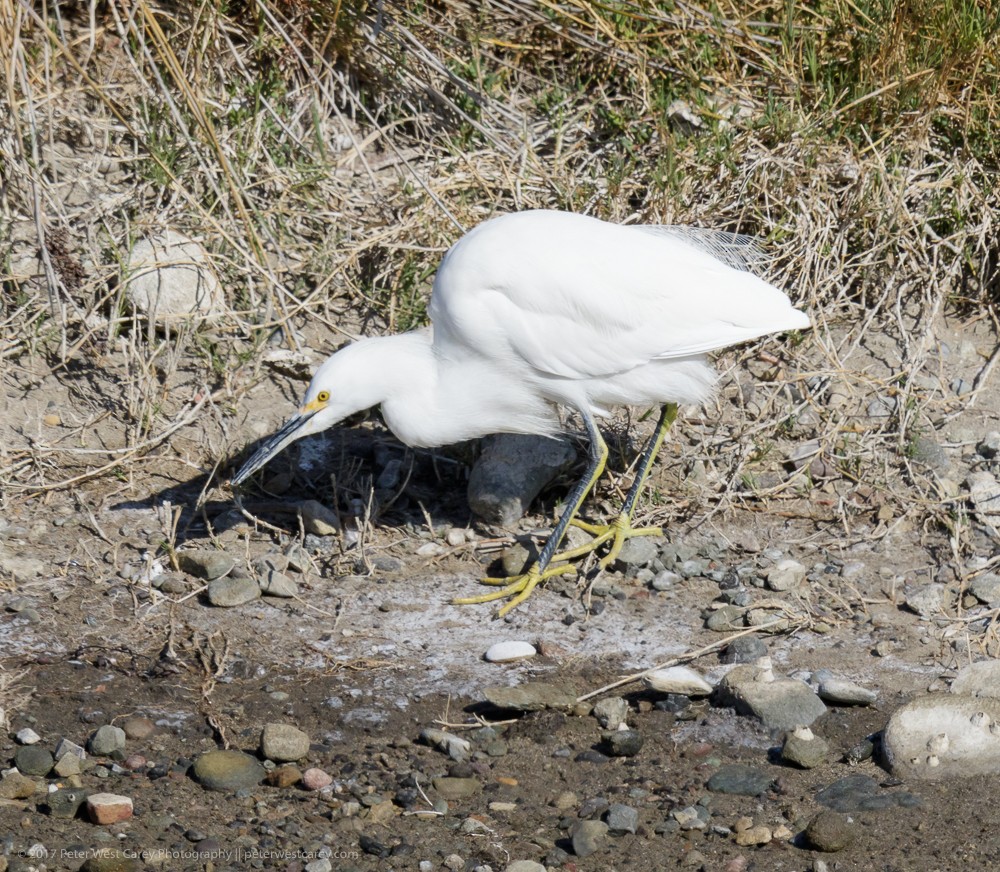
576, 297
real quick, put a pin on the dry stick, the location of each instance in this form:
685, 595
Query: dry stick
693, 655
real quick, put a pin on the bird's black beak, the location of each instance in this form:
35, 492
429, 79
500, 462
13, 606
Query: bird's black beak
289, 432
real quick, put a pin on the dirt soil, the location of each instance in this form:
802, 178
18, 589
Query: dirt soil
371, 652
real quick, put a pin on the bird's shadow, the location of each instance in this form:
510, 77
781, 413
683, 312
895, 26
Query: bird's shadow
355, 472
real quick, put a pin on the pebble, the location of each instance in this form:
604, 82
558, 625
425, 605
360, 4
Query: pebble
677, 679
524, 866
785, 575
511, 471
451, 788
17, 786
505, 652
637, 552
108, 808
205, 563
840, 691
740, 780
984, 491
283, 743
758, 835
779, 703
611, 712
829, 831
622, 819
532, 696
138, 728
230, 592
68, 765
805, 749
112, 861
692, 817
623, 743
320, 865
454, 746
27, 736
986, 588
746, 649
33, 760
284, 776
978, 679
944, 736
316, 779
925, 600
106, 740
65, 802
726, 619
665, 580
863, 793
227, 770
588, 836
275, 583
990, 445
318, 519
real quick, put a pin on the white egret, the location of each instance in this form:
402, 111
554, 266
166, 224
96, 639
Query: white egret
534, 310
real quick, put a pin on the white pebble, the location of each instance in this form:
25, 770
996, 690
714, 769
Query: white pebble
504, 652
27, 736
455, 537
677, 679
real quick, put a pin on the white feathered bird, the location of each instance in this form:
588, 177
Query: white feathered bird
534, 310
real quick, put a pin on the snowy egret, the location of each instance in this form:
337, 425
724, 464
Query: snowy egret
534, 310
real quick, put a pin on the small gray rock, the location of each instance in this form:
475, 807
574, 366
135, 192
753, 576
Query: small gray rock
927, 451
227, 770
623, 743
511, 471
990, 446
986, 588
829, 831
27, 736
804, 749
587, 837
665, 580
611, 712
727, 619
283, 743
525, 866
452, 788
275, 583
33, 760
786, 575
863, 793
981, 678
66, 802
318, 519
925, 599
984, 491
779, 703
839, 691
532, 697
746, 649
230, 592
740, 780
106, 741
637, 552
205, 563
622, 819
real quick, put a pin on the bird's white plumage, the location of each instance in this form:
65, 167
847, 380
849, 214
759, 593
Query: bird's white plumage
578, 298
539, 308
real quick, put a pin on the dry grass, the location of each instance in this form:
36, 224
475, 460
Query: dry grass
327, 154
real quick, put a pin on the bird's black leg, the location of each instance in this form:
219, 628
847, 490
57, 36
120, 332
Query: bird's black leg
519, 587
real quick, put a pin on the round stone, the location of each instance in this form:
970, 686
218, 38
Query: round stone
283, 743
33, 760
227, 770
829, 831
504, 652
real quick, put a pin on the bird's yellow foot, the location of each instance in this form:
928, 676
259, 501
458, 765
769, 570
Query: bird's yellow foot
618, 532
515, 587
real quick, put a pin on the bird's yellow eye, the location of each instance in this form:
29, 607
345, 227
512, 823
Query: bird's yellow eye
323, 396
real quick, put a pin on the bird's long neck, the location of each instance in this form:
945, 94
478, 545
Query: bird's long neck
429, 401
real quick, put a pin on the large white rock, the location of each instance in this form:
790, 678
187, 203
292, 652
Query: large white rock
170, 278
944, 736
504, 652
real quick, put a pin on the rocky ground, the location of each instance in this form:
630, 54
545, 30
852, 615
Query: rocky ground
311, 699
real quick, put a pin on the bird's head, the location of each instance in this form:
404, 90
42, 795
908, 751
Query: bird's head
338, 389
